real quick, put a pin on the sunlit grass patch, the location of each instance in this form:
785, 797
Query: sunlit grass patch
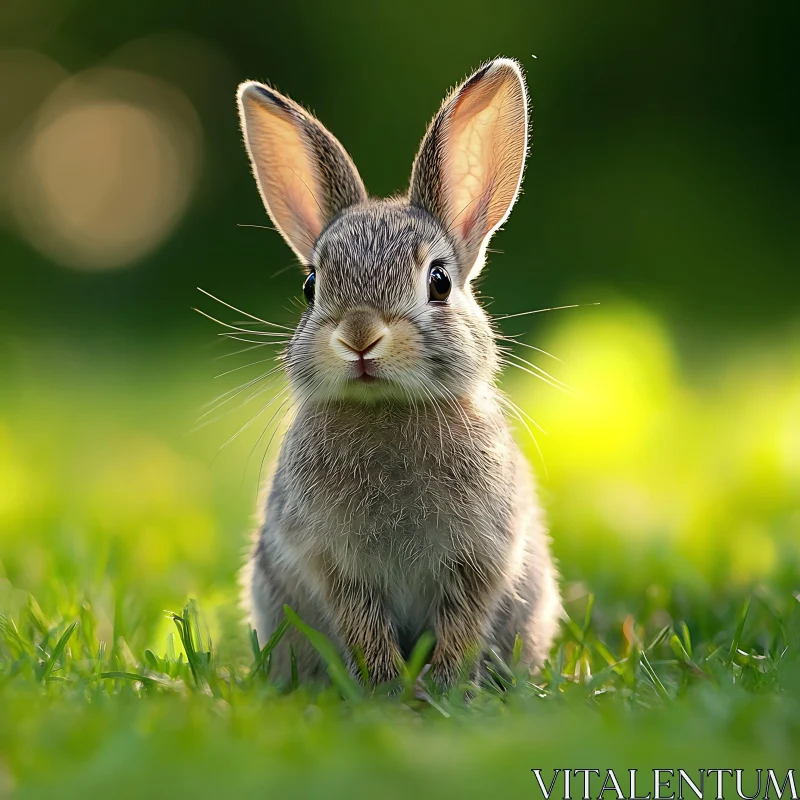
82, 714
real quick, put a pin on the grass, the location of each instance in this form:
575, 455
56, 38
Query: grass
673, 505
84, 717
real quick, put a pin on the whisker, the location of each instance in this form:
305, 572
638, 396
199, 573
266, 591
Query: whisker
277, 427
258, 391
529, 346
542, 376
522, 411
253, 419
269, 444
440, 416
224, 394
251, 323
254, 394
275, 413
247, 314
243, 350
456, 406
219, 397
556, 381
232, 409
244, 366
542, 310
516, 413
249, 341
263, 227
280, 271
280, 338
256, 344
236, 392
236, 327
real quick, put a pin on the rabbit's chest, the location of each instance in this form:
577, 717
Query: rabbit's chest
391, 504
393, 499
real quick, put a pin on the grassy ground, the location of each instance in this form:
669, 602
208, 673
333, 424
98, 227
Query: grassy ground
674, 508
84, 718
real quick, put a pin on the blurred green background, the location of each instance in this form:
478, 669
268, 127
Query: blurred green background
662, 184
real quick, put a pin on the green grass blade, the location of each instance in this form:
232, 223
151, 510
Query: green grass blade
339, 674
13, 639
517, 653
293, 664
651, 674
131, 676
57, 651
263, 654
737, 637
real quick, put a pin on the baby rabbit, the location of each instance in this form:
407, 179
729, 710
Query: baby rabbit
400, 502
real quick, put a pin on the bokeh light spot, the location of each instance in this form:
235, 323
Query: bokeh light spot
108, 170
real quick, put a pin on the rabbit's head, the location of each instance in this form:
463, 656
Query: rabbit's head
391, 312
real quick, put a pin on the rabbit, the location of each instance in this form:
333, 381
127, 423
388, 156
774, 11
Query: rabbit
399, 502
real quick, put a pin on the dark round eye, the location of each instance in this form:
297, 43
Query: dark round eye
309, 287
439, 283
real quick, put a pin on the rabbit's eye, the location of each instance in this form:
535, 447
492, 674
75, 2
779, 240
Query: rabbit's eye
439, 283
309, 287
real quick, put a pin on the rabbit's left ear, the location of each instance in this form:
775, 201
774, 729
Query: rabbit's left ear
469, 167
303, 173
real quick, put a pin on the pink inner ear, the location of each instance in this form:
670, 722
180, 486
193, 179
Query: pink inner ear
474, 217
303, 205
285, 172
484, 151
475, 134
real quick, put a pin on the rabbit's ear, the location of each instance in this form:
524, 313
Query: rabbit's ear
469, 167
303, 173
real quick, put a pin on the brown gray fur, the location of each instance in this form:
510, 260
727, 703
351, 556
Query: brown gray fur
400, 502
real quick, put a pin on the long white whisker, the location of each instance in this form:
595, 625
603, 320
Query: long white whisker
511, 340
516, 413
440, 416
244, 366
542, 310
566, 389
253, 419
564, 386
281, 337
247, 225
232, 409
251, 316
452, 401
243, 350
288, 399
249, 341
522, 411
236, 392
236, 327
300, 408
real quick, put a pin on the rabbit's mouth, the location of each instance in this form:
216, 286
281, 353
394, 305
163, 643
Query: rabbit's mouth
364, 370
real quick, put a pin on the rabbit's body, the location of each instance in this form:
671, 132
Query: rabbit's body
394, 499
400, 502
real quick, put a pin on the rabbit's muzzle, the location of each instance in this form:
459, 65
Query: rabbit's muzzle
361, 337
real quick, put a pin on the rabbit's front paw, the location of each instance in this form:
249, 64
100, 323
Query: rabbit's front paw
384, 671
380, 669
447, 671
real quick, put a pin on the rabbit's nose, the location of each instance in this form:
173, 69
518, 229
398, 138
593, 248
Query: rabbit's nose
360, 335
362, 353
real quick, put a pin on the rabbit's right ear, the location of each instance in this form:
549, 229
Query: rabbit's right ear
469, 167
304, 175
